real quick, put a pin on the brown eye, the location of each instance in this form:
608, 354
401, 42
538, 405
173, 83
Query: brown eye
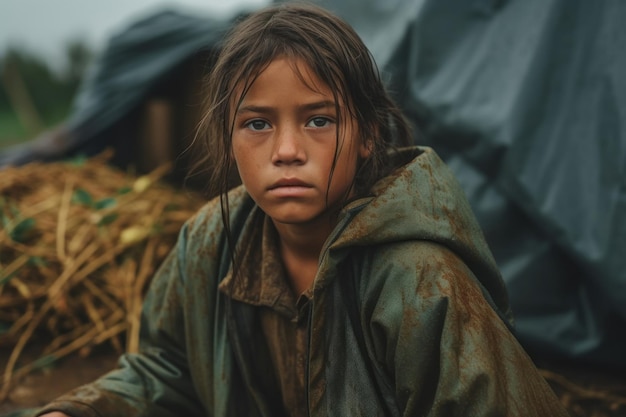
257, 124
319, 122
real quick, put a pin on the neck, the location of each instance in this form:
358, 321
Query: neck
300, 247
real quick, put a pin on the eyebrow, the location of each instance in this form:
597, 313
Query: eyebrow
325, 104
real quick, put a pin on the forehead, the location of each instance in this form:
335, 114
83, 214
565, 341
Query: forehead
283, 70
290, 77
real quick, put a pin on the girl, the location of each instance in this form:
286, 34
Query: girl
347, 276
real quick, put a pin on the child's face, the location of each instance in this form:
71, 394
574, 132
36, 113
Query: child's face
284, 142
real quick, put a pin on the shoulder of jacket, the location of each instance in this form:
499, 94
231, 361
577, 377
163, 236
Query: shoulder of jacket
207, 222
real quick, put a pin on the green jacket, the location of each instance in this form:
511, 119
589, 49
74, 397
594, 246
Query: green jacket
409, 318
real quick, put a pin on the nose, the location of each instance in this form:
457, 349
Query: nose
288, 147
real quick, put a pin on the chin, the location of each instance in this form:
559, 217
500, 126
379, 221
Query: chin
293, 218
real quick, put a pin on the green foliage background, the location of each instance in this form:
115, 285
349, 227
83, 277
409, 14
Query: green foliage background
50, 92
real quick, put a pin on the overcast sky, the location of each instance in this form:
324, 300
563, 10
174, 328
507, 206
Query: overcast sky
45, 26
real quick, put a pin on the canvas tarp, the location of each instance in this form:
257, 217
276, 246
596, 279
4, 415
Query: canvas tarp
526, 101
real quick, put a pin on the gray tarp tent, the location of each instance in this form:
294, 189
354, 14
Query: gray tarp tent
524, 99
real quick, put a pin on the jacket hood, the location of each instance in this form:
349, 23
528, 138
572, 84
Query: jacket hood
422, 200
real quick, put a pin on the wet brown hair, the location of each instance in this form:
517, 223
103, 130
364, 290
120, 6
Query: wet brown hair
336, 55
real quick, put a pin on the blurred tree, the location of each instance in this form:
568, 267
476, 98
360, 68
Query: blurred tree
35, 93
78, 55
16, 92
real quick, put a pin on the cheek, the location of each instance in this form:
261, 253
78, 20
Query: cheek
234, 152
346, 166
239, 157
238, 151
247, 163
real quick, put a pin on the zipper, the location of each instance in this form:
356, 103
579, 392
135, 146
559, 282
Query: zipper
331, 238
307, 368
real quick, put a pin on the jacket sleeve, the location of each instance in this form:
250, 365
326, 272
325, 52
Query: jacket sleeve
446, 351
156, 381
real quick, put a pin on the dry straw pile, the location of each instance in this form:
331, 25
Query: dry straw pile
79, 242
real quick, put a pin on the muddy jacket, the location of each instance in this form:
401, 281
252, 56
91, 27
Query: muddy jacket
408, 318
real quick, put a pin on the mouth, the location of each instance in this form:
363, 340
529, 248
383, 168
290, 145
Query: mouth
289, 183
290, 188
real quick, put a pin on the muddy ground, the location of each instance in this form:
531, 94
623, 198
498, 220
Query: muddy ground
585, 391
40, 387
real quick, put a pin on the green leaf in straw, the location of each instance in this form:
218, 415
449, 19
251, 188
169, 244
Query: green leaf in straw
108, 219
105, 203
82, 197
20, 232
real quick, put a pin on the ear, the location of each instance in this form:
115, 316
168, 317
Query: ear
365, 149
